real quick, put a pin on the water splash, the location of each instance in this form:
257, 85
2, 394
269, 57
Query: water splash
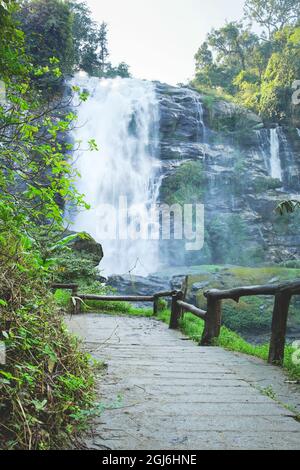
122, 115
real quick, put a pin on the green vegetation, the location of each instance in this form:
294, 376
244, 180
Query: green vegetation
66, 30
185, 185
252, 315
47, 383
256, 71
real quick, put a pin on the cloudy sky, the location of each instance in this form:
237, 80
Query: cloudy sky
159, 38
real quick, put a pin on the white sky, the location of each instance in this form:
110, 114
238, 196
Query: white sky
159, 38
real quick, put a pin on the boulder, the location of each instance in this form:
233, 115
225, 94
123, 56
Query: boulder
89, 247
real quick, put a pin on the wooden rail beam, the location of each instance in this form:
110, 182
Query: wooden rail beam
192, 309
235, 294
108, 298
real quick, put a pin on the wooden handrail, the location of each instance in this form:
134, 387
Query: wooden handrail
192, 309
283, 293
236, 293
109, 298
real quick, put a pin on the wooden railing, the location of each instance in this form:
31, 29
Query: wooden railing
213, 316
78, 299
283, 294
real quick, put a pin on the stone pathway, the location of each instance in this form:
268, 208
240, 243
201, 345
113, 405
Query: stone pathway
162, 391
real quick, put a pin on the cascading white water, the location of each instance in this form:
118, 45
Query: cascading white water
201, 130
298, 131
122, 116
263, 140
275, 162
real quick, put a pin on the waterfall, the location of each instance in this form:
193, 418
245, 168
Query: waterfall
263, 140
298, 131
122, 115
275, 163
201, 134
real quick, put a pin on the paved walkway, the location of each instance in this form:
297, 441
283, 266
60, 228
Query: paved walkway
162, 391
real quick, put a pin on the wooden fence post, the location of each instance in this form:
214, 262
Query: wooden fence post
184, 290
75, 302
176, 311
155, 305
213, 321
279, 325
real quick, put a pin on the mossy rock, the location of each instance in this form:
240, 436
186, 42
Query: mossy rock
90, 248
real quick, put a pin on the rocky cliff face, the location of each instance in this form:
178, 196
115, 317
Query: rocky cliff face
243, 170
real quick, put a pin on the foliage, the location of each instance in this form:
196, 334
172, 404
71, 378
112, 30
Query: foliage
47, 385
185, 186
91, 45
46, 381
65, 30
225, 237
71, 267
47, 25
272, 15
288, 207
257, 71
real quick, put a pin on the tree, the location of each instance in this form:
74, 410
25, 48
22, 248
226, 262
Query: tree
204, 56
272, 15
257, 71
34, 176
48, 26
122, 70
103, 48
282, 70
34, 173
91, 45
233, 44
85, 38
226, 52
